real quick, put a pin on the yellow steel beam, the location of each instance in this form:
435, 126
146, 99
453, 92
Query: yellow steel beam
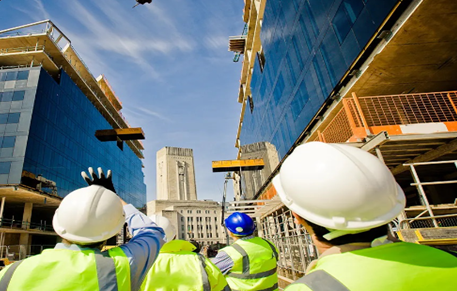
236, 165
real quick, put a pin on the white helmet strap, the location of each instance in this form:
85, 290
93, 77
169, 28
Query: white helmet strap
335, 233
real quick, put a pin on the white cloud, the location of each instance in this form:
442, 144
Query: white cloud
216, 42
146, 113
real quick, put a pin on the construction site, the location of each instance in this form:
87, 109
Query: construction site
380, 76
396, 100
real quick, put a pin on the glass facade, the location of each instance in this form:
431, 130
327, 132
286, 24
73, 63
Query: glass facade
47, 128
308, 46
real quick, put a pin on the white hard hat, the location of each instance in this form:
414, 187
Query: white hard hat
89, 215
339, 187
165, 224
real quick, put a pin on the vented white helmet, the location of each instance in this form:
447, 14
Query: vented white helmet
339, 187
89, 215
165, 224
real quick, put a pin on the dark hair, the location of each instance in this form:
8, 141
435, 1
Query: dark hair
197, 245
366, 236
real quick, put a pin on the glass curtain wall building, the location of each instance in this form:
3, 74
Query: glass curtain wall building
307, 47
47, 129
49, 115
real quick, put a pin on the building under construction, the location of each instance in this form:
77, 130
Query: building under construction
51, 107
378, 75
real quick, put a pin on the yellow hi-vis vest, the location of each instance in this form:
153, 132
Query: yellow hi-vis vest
391, 267
254, 265
62, 270
177, 268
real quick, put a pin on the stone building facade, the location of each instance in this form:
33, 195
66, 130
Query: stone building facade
197, 220
176, 174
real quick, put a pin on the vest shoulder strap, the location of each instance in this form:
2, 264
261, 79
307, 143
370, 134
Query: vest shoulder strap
320, 280
273, 248
5, 281
106, 272
205, 280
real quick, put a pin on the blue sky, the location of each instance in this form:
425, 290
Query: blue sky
168, 63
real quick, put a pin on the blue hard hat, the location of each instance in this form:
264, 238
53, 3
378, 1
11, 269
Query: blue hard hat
240, 224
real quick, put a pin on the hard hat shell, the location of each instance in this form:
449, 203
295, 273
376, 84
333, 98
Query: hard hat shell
89, 215
339, 187
165, 224
240, 224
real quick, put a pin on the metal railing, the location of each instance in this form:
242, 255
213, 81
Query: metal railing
296, 249
428, 222
20, 224
22, 49
359, 114
20, 252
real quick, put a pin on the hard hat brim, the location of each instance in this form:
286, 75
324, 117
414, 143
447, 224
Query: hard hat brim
328, 222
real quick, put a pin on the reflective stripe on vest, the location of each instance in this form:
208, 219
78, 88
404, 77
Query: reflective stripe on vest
179, 270
205, 280
104, 268
247, 267
106, 272
8, 275
254, 265
397, 266
320, 280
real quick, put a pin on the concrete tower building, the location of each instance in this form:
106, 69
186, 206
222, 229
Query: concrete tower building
176, 174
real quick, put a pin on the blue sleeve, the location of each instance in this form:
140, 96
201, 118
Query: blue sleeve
223, 262
143, 248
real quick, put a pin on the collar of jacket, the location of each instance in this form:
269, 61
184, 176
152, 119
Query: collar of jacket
177, 245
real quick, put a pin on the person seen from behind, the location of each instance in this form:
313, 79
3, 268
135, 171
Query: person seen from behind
179, 268
85, 220
345, 198
250, 262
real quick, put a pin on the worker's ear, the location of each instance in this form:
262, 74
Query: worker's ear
302, 221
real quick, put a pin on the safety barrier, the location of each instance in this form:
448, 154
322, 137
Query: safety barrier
427, 222
22, 49
361, 116
19, 224
296, 249
20, 252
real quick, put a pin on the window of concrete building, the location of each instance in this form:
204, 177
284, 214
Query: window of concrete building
10, 76
18, 95
22, 75
181, 211
7, 141
6, 96
5, 167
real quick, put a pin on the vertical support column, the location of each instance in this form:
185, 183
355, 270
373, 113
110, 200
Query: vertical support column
2, 207
349, 116
379, 154
321, 136
27, 216
421, 191
362, 116
24, 245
